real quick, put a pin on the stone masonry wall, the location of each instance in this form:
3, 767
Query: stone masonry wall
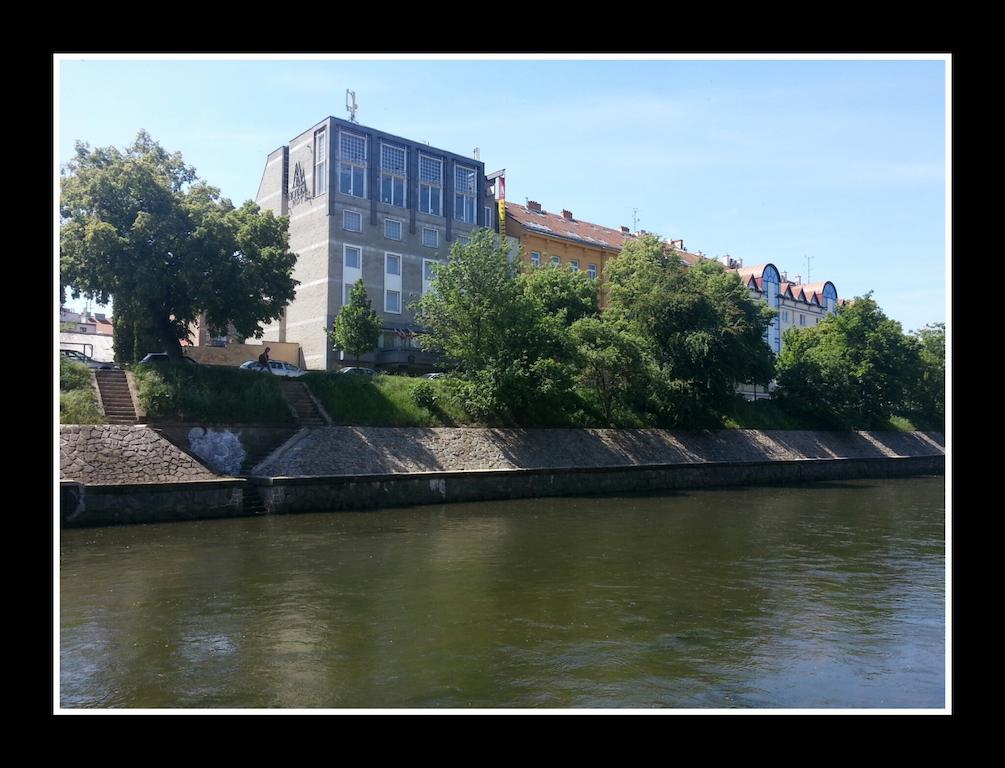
123, 454
377, 450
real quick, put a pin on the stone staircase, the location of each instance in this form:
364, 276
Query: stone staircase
252, 501
115, 397
307, 412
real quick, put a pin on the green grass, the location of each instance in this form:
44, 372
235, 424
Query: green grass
77, 399
210, 395
772, 414
387, 401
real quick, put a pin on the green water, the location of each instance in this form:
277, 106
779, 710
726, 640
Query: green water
823, 595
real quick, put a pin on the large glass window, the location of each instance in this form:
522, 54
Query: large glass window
574, 265
320, 162
352, 164
591, 270
430, 237
535, 258
464, 194
430, 185
392, 175
555, 261
353, 257
393, 262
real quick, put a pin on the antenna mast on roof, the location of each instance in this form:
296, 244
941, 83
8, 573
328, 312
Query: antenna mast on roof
635, 220
350, 105
808, 259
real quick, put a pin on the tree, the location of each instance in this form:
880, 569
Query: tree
927, 391
699, 324
516, 360
614, 367
572, 295
357, 327
140, 227
857, 364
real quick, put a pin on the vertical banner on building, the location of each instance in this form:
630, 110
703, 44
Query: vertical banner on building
502, 208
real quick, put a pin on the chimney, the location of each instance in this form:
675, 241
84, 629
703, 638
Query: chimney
533, 205
567, 214
624, 230
785, 277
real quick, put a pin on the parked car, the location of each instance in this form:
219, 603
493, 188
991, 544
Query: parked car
358, 371
162, 357
276, 368
434, 375
90, 362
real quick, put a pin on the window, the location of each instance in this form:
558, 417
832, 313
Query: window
353, 257
430, 185
555, 261
591, 270
430, 237
392, 229
352, 164
392, 301
464, 194
392, 175
785, 315
802, 319
428, 273
535, 258
488, 217
574, 265
320, 162
352, 220
392, 264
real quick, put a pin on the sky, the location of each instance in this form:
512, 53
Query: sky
842, 162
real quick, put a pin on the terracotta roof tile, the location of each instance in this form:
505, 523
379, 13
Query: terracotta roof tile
549, 223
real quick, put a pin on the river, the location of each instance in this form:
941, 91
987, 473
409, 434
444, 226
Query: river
825, 595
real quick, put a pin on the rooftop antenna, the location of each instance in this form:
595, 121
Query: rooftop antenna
350, 105
808, 259
635, 219
477, 154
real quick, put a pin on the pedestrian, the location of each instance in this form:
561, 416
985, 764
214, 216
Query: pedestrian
263, 359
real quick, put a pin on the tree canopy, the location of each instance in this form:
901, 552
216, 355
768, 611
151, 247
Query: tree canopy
700, 326
357, 327
857, 364
139, 227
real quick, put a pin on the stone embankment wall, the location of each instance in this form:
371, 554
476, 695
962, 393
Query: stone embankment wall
129, 474
357, 467
384, 450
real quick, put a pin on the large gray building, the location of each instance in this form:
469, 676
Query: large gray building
366, 204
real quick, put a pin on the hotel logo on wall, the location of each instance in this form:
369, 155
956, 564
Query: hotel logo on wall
298, 192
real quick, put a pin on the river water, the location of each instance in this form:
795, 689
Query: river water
824, 595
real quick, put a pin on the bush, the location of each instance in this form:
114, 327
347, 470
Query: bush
73, 375
424, 394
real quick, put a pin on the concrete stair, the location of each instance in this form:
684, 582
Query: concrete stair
115, 397
252, 501
307, 412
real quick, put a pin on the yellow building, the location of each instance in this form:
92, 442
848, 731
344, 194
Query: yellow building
560, 240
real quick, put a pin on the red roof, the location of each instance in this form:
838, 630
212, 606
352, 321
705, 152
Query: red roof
546, 223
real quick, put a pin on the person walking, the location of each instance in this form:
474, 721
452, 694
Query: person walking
263, 359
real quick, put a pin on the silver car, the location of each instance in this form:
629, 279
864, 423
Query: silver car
276, 368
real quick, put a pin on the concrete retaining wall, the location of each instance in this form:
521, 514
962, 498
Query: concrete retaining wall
94, 505
302, 494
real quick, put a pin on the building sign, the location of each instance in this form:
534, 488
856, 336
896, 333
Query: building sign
501, 186
298, 192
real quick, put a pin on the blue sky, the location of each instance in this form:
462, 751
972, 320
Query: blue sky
842, 161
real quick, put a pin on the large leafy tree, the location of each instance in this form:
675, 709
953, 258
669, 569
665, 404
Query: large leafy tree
357, 327
516, 359
139, 227
857, 364
700, 326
